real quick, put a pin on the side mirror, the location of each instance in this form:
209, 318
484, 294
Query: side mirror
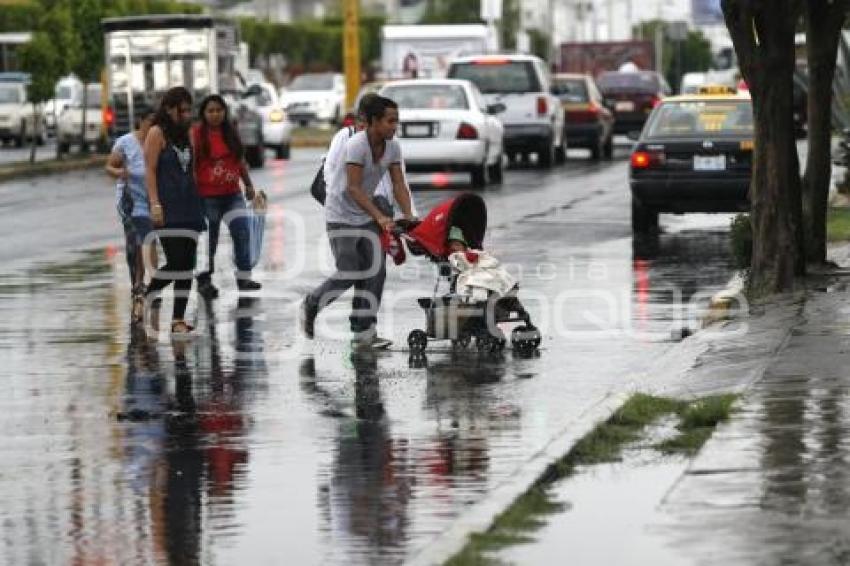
633, 135
496, 108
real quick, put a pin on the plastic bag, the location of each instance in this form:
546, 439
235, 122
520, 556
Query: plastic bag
257, 227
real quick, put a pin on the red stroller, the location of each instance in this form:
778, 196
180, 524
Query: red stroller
450, 316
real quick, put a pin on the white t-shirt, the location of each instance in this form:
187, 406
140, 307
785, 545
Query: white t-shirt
339, 206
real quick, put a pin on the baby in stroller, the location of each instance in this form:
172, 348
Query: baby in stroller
481, 294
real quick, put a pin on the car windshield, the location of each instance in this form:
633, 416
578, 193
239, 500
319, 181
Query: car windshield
323, 81
10, 95
64, 92
93, 97
450, 97
493, 77
639, 82
570, 90
701, 119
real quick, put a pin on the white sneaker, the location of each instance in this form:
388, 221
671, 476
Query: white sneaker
370, 340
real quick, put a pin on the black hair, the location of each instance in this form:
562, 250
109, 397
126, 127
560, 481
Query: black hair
144, 113
367, 99
228, 132
173, 133
374, 108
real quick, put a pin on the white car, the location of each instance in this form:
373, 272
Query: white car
446, 125
18, 122
277, 130
533, 119
70, 124
68, 91
315, 97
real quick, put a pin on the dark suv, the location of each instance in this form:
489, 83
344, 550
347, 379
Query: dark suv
632, 96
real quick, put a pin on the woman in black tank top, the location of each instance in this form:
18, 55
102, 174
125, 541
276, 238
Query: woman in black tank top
175, 205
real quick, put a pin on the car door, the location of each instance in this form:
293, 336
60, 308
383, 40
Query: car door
606, 117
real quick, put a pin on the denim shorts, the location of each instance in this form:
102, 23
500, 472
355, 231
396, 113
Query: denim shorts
143, 226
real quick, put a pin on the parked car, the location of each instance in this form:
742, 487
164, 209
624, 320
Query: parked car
446, 125
694, 155
632, 96
277, 130
19, 121
589, 123
533, 118
68, 91
70, 124
315, 97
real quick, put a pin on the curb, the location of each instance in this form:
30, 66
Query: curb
482, 514
49, 167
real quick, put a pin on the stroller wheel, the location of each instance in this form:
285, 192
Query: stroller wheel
488, 343
525, 338
417, 340
462, 341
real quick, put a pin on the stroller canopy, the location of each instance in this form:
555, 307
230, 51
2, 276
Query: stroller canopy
467, 212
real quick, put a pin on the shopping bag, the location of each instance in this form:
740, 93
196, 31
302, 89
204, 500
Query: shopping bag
257, 226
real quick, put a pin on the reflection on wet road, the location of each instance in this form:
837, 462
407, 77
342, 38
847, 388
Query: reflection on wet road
248, 445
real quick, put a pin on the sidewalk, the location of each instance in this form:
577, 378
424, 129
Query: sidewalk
771, 486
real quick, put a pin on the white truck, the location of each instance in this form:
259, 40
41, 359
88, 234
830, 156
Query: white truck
424, 51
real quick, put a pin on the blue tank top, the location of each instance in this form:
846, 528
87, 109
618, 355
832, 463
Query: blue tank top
181, 204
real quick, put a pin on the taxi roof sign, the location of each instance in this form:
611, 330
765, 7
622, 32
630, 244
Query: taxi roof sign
717, 90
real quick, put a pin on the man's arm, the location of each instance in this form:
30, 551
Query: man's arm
355, 190
400, 190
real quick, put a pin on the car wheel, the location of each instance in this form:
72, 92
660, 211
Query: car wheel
608, 148
255, 156
282, 151
496, 170
545, 155
644, 219
596, 150
19, 141
561, 151
479, 176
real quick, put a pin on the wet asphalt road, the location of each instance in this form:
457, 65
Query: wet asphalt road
251, 445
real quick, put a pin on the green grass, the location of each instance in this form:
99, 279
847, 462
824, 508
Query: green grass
604, 444
838, 224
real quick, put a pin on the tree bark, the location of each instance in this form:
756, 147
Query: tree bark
823, 30
762, 33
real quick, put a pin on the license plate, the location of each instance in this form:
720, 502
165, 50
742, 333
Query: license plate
417, 131
625, 106
709, 162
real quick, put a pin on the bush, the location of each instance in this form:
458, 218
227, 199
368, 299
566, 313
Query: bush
741, 241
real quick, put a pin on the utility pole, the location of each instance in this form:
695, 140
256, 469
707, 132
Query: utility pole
351, 50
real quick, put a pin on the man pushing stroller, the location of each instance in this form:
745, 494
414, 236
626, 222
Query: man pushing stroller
355, 223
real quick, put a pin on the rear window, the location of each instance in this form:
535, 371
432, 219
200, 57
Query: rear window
700, 119
632, 82
10, 95
450, 97
570, 90
322, 81
93, 97
498, 77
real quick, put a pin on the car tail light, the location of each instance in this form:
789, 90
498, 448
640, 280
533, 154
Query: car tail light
542, 106
647, 159
467, 132
588, 114
491, 61
655, 101
108, 116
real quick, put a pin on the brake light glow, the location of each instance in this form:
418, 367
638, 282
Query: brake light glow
656, 101
542, 106
647, 159
467, 132
490, 61
108, 116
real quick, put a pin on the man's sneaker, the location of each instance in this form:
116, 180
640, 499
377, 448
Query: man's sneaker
369, 340
248, 285
309, 312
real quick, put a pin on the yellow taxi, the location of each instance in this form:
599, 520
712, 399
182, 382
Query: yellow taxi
693, 155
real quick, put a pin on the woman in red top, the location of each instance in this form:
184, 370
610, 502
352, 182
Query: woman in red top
219, 166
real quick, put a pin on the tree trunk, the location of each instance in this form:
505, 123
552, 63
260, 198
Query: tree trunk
823, 30
33, 137
83, 146
763, 36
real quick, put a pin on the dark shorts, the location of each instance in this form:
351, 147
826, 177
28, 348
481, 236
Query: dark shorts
142, 226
